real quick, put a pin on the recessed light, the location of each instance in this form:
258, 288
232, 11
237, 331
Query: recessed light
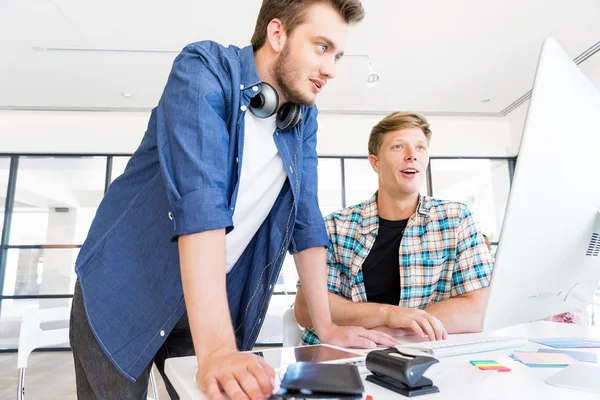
486, 100
126, 95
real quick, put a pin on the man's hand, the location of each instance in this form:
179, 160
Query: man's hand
419, 321
355, 336
393, 332
241, 375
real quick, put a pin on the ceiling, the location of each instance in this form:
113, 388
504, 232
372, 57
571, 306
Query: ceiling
433, 56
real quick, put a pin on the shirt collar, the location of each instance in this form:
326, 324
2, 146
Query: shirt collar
370, 212
250, 76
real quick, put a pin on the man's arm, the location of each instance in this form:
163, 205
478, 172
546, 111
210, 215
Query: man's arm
203, 271
192, 137
343, 312
372, 315
312, 269
462, 314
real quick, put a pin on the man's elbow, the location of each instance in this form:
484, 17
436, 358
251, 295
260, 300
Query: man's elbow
478, 304
301, 313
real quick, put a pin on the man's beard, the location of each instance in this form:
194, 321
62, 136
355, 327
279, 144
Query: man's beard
285, 75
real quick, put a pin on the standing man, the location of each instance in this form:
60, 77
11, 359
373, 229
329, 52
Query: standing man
223, 184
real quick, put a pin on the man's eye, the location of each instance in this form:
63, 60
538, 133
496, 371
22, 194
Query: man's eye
321, 48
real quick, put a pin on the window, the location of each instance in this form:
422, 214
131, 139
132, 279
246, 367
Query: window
482, 184
118, 166
55, 200
4, 171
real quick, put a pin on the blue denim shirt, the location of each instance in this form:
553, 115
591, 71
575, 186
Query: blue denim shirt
183, 179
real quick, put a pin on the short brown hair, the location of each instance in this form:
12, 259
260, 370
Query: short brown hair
293, 12
396, 121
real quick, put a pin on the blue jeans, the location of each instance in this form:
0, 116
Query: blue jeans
95, 375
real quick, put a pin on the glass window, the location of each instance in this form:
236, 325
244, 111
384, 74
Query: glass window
330, 185
118, 166
56, 199
361, 181
12, 311
39, 271
483, 185
4, 171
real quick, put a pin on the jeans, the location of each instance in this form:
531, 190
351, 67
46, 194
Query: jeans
95, 375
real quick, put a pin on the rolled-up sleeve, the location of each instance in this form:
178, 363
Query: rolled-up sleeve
309, 228
193, 142
474, 264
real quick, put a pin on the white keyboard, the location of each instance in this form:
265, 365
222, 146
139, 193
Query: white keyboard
450, 348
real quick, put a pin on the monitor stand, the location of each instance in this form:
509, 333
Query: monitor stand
583, 376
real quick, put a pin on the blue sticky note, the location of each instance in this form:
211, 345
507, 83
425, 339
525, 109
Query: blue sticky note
568, 343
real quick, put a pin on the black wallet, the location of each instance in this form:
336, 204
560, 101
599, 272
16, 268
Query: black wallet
325, 381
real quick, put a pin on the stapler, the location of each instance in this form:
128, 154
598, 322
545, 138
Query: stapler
401, 370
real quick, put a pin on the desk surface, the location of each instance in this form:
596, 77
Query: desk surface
455, 376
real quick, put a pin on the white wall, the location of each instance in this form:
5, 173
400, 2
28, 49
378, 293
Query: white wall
121, 132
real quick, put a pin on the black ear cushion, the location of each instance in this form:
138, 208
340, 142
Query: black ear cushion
288, 116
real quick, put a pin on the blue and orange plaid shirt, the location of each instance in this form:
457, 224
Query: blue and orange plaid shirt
442, 253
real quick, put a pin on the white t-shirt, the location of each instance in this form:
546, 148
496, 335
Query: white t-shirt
261, 179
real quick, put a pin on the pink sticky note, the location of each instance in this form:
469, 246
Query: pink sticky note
544, 358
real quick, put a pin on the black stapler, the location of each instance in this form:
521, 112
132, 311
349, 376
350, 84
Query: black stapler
401, 371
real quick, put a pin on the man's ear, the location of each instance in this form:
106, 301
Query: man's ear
374, 162
276, 36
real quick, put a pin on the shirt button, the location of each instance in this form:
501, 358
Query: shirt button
291, 170
255, 88
241, 87
170, 215
237, 160
270, 287
243, 108
162, 333
259, 320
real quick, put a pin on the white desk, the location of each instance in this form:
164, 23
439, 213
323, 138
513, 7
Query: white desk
455, 376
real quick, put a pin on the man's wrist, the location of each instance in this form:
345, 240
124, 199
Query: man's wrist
225, 345
384, 311
322, 326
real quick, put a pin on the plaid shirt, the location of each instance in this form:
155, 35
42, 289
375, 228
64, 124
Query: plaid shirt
442, 253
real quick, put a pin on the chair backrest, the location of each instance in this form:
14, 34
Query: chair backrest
292, 332
32, 336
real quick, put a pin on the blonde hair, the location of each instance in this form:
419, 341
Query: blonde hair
396, 121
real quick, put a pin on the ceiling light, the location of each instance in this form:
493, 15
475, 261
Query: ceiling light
126, 95
372, 77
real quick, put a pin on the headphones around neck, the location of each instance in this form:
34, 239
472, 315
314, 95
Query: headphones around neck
266, 103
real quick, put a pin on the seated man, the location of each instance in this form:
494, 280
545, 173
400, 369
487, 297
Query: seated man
402, 262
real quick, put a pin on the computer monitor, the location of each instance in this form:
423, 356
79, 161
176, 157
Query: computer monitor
548, 258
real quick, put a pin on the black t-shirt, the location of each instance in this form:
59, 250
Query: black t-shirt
381, 269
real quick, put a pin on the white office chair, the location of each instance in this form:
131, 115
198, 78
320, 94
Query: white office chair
32, 336
292, 332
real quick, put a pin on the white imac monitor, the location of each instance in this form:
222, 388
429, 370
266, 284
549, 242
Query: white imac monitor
548, 260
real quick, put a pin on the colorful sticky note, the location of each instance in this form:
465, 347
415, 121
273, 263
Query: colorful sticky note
489, 365
549, 360
584, 356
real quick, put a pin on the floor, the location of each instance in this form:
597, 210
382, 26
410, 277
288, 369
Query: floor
49, 376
